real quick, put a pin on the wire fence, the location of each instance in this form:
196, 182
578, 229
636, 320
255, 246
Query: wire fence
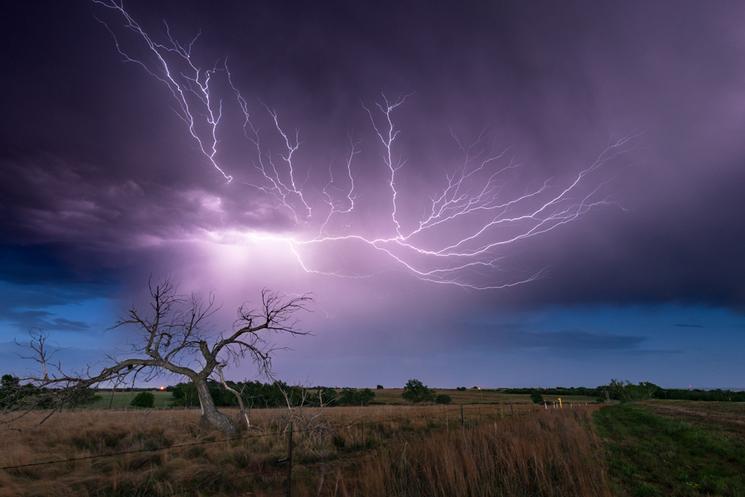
458, 416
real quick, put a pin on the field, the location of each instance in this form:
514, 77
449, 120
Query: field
337, 451
680, 448
119, 400
392, 396
387, 396
510, 448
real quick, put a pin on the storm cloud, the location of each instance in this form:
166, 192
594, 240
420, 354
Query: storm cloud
101, 185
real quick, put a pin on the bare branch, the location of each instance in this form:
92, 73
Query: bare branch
175, 339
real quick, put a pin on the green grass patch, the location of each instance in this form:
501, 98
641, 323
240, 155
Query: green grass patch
392, 396
119, 400
650, 455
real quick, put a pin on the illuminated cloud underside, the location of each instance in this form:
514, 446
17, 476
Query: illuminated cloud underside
459, 236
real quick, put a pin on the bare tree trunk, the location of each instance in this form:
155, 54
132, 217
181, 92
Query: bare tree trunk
237, 395
210, 415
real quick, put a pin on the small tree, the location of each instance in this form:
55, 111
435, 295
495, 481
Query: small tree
354, 397
415, 391
143, 399
536, 397
379, 387
443, 399
366, 396
618, 390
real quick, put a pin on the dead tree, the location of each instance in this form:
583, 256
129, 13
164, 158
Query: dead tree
238, 395
173, 339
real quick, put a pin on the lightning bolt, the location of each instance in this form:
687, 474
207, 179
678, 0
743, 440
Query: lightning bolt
466, 224
190, 88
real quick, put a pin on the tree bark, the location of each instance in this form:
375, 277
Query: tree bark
210, 415
237, 396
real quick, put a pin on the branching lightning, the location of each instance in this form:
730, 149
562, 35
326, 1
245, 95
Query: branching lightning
466, 225
189, 87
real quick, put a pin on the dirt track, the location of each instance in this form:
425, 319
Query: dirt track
729, 416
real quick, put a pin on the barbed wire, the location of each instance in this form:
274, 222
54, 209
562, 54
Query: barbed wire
243, 437
135, 451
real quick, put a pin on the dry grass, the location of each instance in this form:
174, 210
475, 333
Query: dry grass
372, 451
548, 454
473, 396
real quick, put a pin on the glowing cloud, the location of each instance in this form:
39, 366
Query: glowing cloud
457, 236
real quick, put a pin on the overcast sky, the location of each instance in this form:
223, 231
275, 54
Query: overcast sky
102, 183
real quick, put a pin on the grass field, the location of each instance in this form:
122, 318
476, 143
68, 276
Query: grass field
509, 447
364, 451
120, 400
653, 450
472, 396
387, 396
726, 417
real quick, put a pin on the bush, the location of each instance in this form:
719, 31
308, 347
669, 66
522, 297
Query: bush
143, 399
354, 397
443, 399
379, 387
536, 397
416, 391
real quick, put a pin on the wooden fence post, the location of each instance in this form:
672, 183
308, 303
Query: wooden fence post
289, 461
462, 417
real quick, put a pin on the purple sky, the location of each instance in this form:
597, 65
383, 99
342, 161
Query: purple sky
629, 266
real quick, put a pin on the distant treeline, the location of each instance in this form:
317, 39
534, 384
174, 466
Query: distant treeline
14, 395
626, 391
584, 391
276, 394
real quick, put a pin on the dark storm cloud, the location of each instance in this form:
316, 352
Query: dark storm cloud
100, 181
30, 320
50, 305
521, 337
47, 200
32, 264
577, 340
117, 171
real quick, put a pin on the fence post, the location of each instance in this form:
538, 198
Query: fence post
289, 461
462, 418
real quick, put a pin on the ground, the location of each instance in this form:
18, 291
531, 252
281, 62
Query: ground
662, 448
387, 396
118, 400
473, 396
502, 446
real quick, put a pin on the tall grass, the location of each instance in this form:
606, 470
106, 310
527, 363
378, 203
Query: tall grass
371, 451
548, 454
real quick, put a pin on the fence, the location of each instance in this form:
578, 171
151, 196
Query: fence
456, 416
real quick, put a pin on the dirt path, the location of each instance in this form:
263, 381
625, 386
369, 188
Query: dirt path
729, 417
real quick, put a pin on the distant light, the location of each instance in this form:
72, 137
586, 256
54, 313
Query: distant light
162, 388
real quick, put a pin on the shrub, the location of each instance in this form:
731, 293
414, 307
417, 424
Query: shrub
416, 391
536, 397
354, 397
443, 399
143, 399
379, 387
